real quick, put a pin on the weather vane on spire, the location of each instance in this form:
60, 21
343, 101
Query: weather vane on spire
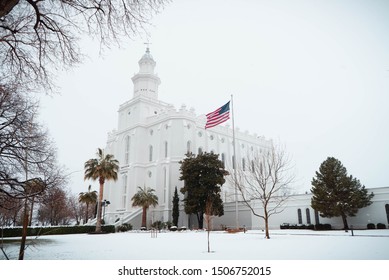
148, 46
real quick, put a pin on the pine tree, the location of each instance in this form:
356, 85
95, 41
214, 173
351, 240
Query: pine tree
203, 176
176, 210
336, 194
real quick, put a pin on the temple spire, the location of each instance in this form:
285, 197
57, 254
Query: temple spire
146, 82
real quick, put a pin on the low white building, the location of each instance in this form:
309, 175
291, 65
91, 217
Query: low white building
151, 139
298, 211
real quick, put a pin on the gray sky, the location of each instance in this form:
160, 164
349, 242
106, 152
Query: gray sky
313, 75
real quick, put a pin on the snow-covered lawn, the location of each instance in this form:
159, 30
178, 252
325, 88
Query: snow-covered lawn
192, 245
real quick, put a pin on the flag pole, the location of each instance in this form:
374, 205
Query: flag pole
234, 164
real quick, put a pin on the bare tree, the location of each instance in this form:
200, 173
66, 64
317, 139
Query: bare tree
10, 209
267, 180
26, 153
55, 207
36, 35
208, 220
28, 164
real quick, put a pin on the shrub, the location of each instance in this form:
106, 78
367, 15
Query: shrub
173, 228
381, 226
323, 227
370, 226
284, 226
157, 225
310, 226
168, 224
124, 227
55, 230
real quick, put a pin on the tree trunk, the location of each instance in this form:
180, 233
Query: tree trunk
200, 220
86, 216
144, 217
6, 6
267, 235
209, 245
345, 224
24, 232
31, 211
266, 216
98, 222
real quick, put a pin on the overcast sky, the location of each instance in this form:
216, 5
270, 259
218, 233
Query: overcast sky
313, 75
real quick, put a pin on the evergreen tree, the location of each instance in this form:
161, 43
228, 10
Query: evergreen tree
336, 194
176, 210
203, 176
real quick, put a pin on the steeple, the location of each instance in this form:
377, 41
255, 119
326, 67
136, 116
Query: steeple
146, 82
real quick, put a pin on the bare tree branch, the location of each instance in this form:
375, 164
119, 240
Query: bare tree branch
268, 182
39, 35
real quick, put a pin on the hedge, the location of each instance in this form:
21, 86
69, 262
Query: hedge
381, 226
34, 231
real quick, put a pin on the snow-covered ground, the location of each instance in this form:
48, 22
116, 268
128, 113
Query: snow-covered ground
192, 245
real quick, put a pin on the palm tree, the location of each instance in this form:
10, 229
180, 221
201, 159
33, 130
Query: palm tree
104, 167
89, 197
144, 198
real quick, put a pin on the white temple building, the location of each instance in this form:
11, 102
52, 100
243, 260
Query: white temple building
151, 139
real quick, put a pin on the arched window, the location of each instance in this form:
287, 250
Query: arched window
299, 216
188, 147
243, 164
124, 191
150, 153
200, 150
127, 149
308, 216
224, 159
166, 149
164, 184
317, 220
387, 212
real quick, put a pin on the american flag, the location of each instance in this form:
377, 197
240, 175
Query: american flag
218, 116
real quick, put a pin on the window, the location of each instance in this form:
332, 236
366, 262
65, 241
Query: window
308, 216
387, 212
124, 191
165, 149
224, 159
188, 147
243, 164
252, 166
299, 216
233, 162
127, 149
317, 220
164, 184
200, 150
150, 153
